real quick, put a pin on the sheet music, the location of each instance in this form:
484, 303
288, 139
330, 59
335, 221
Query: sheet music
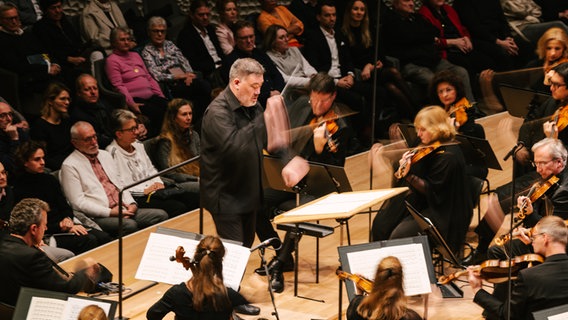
156, 265
411, 257
561, 316
46, 309
74, 306
341, 202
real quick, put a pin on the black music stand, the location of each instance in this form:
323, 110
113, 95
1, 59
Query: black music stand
517, 100
554, 311
478, 152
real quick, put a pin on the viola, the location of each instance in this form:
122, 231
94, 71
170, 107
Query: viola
537, 191
361, 282
331, 127
417, 155
497, 271
459, 111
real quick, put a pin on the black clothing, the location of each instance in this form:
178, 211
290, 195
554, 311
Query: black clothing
57, 138
317, 51
354, 304
193, 48
8, 148
305, 12
98, 115
179, 300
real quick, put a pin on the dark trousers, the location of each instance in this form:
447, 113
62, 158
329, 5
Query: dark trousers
236, 226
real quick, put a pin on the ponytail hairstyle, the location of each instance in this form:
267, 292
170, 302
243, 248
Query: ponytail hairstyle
386, 300
209, 292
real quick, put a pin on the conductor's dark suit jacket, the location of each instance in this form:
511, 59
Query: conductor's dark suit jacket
537, 288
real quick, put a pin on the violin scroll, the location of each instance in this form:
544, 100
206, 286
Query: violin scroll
361, 282
181, 258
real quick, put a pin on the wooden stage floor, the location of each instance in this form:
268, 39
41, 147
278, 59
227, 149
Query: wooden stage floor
254, 287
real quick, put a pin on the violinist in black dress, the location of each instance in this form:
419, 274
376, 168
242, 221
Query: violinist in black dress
439, 185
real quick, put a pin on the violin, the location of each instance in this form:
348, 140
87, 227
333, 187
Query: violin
331, 127
537, 191
361, 282
417, 155
507, 236
459, 111
181, 258
549, 65
560, 119
497, 271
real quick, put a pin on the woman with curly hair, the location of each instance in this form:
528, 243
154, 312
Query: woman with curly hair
386, 301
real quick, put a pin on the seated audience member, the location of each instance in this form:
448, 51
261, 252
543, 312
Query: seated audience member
537, 288
272, 13
26, 56
127, 72
356, 30
386, 300
18, 119
91, 108
22, 264
453, 39
198, 42
89, 178
170, 68
203, 296
305, 10
10, 137
62, 41
177, 143
295, 69
98, 19
554, 10
313, 144
53, 126
33, 182
439, 186
524, 17
411, 39
228, 15
490, 32
30, 11
245, 48
134, 164
7, 201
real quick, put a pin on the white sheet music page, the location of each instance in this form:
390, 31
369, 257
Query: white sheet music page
340, 202
46, 309
156, 265
561, 316
411, 257
75, 305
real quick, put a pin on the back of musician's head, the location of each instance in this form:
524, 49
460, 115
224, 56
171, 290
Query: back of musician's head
92, 312
26, 213
208, 288
555, 228
555, 148
435, 120
322, 83
387, 299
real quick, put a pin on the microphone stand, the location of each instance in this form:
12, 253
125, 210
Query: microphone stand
268, 278
120, 216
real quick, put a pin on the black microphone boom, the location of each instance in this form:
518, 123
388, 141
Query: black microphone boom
264, 244
516, 148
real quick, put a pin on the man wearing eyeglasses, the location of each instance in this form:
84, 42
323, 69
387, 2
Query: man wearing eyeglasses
90, 181
10, 137
536, 288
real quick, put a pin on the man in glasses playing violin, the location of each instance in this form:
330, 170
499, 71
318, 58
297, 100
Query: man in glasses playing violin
537, 288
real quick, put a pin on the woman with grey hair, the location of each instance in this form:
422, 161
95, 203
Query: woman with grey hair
167, 64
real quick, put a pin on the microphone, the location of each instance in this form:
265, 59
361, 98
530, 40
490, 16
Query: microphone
172, 258
264, 244
514, 150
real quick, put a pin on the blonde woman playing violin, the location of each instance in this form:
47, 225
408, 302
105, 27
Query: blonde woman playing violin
439, 185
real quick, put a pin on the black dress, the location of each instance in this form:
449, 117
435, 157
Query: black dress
354, 304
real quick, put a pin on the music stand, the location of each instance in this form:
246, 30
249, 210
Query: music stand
517, 100
561, 312
478, 151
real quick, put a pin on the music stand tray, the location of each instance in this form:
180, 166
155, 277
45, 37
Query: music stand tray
478, 151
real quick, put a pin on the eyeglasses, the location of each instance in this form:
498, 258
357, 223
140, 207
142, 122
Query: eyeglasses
131, 130
532, 237
556, 84
5, 115
158, 31
537, 164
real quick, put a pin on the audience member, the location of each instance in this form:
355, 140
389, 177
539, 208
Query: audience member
305, 10
22, 264
386, 300
33, 182
411, 39
245, 48
98, 19
90, 107
170, 68
30, 11
554, 10
272, 13
357, 31
199, 43
228, 15
10, 137
134, 164
128, 74
89, 178
26, 57
54, 125
293, 67
177, 143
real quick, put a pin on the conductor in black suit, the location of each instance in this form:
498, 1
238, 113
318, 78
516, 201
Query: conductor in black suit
537, 288
22, 264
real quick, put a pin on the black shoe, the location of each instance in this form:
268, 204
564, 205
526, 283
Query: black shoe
288, 266
277, 279
247, 309
475, 257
